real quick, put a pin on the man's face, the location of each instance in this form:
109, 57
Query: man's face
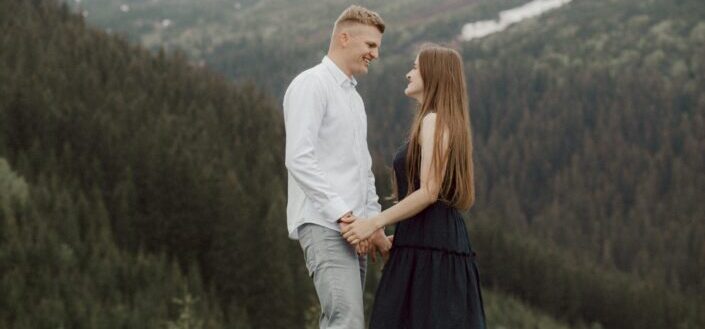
362, 47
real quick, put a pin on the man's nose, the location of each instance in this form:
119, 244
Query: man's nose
375, 53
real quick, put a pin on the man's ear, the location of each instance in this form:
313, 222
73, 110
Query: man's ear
344, 38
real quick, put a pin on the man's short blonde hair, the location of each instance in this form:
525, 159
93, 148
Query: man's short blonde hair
360, 15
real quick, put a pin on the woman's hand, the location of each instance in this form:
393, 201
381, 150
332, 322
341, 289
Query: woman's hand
359, 230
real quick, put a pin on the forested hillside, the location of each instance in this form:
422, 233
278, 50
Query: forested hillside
592, 128
134, 162
138, 190
589, 139
589, 130
588, 125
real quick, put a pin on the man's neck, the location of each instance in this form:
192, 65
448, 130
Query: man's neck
338, 61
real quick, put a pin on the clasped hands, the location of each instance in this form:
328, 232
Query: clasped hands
365, 236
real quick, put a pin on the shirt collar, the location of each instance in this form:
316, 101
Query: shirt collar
340, 77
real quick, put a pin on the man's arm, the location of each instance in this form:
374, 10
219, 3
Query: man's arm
304, 108
373, 206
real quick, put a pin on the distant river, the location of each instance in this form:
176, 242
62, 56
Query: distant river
508, 17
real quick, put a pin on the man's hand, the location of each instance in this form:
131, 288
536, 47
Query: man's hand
372, 253
363, 247
382, 243
346, 220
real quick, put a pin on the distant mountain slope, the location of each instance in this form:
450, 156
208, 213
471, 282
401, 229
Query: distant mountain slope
588, 128
591, 123
200, 27
130, 181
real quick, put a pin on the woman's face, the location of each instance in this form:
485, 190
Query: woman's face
415, 87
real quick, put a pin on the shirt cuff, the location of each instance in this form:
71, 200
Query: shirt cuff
335, 209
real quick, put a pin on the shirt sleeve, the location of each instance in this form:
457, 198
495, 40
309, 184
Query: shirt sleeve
373, 206
304, 110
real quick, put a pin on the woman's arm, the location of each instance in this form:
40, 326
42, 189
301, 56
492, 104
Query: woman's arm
415, 202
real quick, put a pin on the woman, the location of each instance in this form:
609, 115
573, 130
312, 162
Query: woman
430, 279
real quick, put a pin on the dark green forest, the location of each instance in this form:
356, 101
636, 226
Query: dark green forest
589, 134
133, 181
138, 185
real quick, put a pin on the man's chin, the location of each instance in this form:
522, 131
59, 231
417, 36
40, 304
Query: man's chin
363, 70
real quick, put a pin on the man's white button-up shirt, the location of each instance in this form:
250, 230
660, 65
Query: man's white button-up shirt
327, 159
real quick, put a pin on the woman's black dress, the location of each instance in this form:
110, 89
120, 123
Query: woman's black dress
430, 280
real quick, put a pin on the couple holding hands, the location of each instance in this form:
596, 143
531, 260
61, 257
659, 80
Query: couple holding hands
430, 279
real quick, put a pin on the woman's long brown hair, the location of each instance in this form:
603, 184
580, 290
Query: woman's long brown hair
445, 93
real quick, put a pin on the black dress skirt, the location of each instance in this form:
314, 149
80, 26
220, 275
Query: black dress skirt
431, 279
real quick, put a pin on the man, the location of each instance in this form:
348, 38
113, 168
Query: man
330, 180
